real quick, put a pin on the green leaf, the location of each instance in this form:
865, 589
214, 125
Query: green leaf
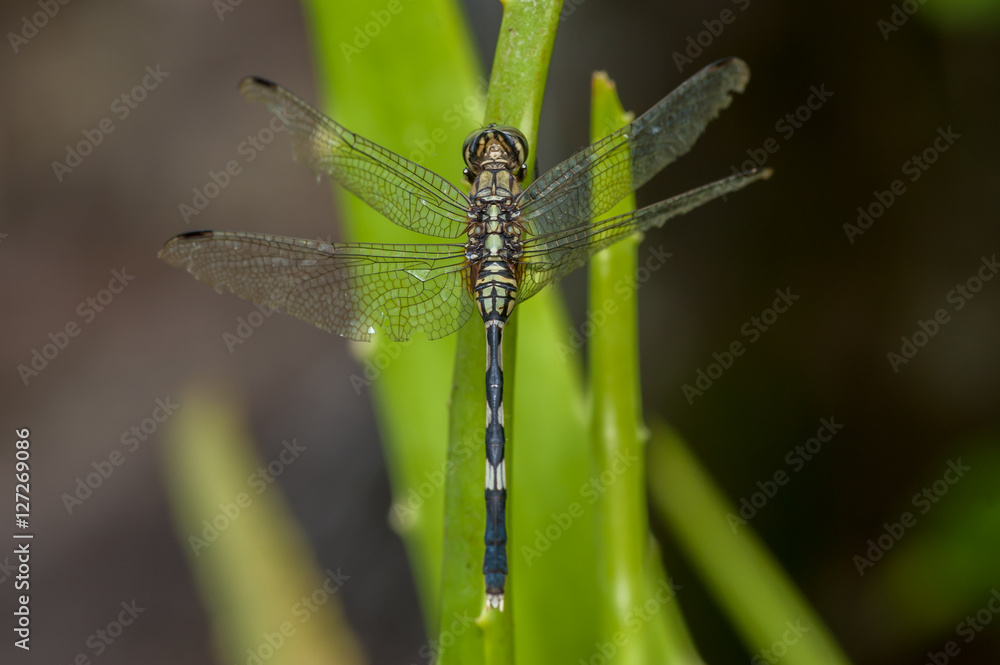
628, 576
944, 567
415, 87
252, 564
745, 579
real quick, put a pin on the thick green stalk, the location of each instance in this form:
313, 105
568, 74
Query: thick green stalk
517, 84
551, 555
521, 64
404, 75
615, 419
767, 610
629, 576
462, 590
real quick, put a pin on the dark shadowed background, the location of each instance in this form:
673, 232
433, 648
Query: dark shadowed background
887, 96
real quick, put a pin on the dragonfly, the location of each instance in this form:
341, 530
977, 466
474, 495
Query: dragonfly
504, 240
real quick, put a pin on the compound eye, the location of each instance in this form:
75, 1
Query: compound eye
515, 139
470, 147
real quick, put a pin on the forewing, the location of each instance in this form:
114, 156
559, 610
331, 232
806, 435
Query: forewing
405, 192
547, 258
349, 289
590, 182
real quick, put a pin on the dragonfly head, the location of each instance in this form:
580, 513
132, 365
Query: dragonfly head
493, 148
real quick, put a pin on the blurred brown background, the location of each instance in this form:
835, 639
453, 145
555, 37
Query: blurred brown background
825, 357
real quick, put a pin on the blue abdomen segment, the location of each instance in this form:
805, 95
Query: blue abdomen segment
495, 556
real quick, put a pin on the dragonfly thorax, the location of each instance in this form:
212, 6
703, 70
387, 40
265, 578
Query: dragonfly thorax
494, 227
499, 187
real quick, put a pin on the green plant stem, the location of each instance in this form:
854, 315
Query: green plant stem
615, 420
745, 579
517, 84
521, 65
462, 592
630, 573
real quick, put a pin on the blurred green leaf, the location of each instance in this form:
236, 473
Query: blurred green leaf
253, 567
958, 15
945, 566
768, 612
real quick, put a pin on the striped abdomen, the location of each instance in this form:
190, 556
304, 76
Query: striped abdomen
496, 290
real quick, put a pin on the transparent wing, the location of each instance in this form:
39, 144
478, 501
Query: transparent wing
348, 289
547, 258
587, 184
405, 192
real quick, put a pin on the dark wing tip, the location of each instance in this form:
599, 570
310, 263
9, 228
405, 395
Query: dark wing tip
739, 67
731, 61
171, 244
194, 234
256, 81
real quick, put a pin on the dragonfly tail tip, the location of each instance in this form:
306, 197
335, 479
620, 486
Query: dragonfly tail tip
495, 600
